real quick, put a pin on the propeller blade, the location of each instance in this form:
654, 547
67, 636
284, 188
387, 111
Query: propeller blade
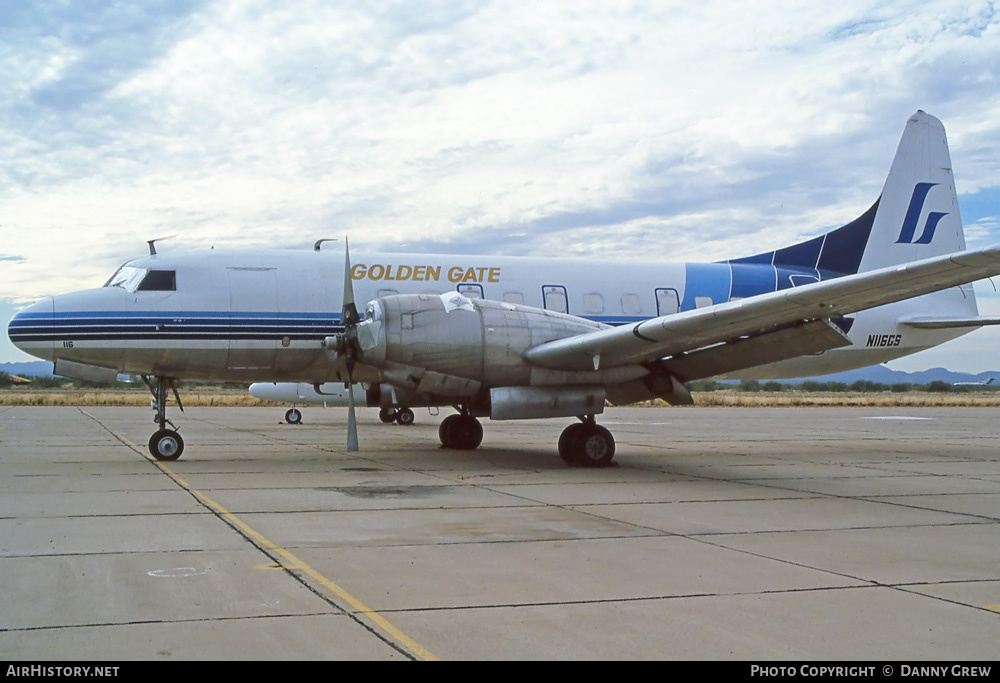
352, 419
349, 318
349, 312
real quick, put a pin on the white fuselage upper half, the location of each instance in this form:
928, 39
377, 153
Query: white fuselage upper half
263, 315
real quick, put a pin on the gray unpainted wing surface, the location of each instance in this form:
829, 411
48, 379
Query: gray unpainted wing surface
688, 331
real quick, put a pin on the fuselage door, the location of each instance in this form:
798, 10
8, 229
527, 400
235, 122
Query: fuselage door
254, 325
799, 280
555, 299
667, 301
473, 291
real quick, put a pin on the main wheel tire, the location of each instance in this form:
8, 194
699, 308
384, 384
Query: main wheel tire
467, 433
293, 416
593, 447
566, 442
444, 431
166, 444
387, 415
404, 416
461, 432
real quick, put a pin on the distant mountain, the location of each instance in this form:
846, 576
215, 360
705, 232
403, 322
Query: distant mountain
37, 368
883, 375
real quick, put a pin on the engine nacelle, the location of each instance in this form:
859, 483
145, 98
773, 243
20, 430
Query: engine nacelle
451, 345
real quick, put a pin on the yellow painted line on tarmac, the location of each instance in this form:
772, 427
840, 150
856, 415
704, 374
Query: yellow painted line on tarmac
291, 561
993, 608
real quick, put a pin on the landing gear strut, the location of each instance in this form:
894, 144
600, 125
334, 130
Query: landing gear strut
462, 432
164, 444
586, 444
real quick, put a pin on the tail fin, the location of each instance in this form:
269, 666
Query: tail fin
915, 217
917, 214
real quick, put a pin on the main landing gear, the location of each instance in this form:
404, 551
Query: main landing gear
401, 416
164, 444
462, 432
293, 416
586, 444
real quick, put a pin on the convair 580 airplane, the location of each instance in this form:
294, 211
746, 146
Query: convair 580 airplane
513, 338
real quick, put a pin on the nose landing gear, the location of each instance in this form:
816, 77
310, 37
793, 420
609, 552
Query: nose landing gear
164, 444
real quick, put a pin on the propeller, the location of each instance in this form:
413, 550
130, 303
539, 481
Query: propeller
349, 347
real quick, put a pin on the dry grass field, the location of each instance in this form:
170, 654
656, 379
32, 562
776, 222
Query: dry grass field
207, 396
113, 397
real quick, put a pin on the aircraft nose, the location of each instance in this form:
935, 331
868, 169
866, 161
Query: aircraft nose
31, 329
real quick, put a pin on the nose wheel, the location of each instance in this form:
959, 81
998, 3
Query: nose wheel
164, 444
403, 416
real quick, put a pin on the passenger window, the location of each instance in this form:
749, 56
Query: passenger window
630, 304
387, 292
159, 281
513, 297
593, 303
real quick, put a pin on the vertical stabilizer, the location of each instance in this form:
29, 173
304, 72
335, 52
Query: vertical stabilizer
917, 215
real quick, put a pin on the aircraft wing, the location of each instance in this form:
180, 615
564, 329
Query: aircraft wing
688, 331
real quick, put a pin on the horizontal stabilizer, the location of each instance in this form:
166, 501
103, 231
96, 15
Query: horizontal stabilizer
943, 323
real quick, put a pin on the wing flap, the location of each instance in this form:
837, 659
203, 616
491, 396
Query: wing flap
694, 329
786, 342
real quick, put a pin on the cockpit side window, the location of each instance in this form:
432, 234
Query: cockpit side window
159, 281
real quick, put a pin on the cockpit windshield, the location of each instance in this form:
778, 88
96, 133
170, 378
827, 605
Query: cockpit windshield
127, 277
133, 279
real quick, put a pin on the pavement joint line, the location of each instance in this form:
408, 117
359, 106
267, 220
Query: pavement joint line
394, 636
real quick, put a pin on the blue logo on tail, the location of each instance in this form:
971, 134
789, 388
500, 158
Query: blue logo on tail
913, 215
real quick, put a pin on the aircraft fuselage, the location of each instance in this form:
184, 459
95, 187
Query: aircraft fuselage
263, 315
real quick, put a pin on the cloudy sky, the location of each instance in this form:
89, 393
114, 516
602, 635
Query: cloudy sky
653, 130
